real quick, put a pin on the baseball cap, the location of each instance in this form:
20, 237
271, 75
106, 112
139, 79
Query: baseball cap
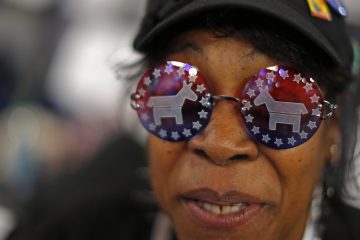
329, 35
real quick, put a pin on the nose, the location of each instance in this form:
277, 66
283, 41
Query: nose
225, 138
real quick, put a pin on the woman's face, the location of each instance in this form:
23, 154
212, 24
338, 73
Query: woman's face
222, 184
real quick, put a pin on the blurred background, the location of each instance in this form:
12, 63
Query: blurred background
62, 96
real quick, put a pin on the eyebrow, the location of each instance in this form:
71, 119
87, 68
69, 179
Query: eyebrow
188, 46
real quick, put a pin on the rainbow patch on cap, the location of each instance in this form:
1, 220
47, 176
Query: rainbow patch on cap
320, 9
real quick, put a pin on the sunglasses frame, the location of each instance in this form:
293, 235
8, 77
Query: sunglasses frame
328, 109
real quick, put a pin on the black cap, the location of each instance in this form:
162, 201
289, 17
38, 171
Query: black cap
330, 36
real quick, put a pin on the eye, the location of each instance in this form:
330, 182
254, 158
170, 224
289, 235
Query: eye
281, 107
173, 101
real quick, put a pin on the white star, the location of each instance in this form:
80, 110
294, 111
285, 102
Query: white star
270, 76
316, 112
203, 114
142, 92
259, 82
205, 101
192, 78
175, 135
297, 78
278, 142
152, 126
144, 117
308, 87
247, 105
181, 72
168, 69
266, 138
200, 88
163, 133
284, 74
147, 81
303, 135
197, 125
251, 92
312, 125
255, 130
156, 73
187, 132
291, 141
249, 118
314, 99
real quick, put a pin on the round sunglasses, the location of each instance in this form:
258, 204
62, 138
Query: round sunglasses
280, 106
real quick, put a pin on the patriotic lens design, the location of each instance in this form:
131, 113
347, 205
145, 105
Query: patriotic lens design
280, 106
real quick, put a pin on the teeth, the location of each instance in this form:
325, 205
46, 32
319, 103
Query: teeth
223, 210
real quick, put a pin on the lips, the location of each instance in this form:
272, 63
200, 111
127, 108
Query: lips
211, 209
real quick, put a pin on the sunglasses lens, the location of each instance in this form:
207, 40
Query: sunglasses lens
173, 101
281, 107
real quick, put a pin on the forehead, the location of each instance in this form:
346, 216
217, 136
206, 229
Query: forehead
225, 61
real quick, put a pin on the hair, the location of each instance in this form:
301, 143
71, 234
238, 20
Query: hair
279, 41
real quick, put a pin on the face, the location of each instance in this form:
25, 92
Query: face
222, 184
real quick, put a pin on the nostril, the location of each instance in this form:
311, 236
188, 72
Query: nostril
239, 157
201, 153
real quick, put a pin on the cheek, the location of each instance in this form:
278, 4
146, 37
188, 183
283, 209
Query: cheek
163, 157
300, 170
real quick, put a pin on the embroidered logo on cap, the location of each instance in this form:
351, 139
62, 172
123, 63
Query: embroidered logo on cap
320, 9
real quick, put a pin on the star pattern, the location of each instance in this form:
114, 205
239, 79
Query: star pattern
203, 114
205, 101
251, 93
163, 133
156, 73
297, 78
315, 98
316, 112
145, 117
249, 118
152, 126
311, 125
303, 135
266, 138
142, 92
187, 132
247, 105
192, 78
276, 138
284, 74
259, 82
278, 142
291, 141
175, 135
308, 87
197, 125
200, 88
188, 128
147, 81
255, 130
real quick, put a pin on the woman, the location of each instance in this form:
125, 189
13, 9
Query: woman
240, 100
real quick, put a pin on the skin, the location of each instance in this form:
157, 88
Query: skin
225, 158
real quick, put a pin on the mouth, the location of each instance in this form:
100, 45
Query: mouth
210, 209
